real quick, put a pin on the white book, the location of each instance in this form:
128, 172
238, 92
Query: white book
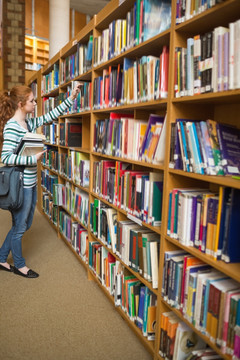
231, 55
237, 55
199, 299
159, 156
154, 263
184, 336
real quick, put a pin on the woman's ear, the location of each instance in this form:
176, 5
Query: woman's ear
19, 105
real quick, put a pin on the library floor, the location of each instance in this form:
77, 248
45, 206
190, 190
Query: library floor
61, 315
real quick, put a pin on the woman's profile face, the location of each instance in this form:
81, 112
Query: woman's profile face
30, 104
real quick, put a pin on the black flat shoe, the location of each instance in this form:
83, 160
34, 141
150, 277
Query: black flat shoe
30, 274
6, 269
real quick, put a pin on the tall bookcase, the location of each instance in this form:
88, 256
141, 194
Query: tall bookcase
220, 106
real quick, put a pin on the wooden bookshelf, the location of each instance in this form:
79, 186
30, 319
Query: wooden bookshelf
36, 50
220, 106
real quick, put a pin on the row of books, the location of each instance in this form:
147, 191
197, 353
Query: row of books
80, 104
80, 241
189, 8
51, 133
80, 168
78, 63
72, 199
49, 103
205, 147
209, 63
179, 342
206, 297
139, 193
50, 81
206, 220
64, 165
136, 246
135, 299
48, 180
129, 138
49, 209
146, 19
76, 166
135, 81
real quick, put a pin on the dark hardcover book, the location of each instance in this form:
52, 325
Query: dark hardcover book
232, 248
229, 143
203, 39
172, 145
73, 134
208, 62
62, 134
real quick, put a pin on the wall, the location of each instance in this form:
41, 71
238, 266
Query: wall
13, 25
41, 19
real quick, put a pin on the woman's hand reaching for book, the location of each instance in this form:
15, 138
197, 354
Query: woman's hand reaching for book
75, 91
40, 155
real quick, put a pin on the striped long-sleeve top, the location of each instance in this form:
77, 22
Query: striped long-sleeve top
12, 135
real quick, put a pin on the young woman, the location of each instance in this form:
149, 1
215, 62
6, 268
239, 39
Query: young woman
14, 106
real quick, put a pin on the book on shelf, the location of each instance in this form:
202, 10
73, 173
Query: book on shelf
30, 144
157, 17
70, 133
229, 144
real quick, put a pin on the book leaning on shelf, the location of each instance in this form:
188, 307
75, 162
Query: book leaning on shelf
30, 144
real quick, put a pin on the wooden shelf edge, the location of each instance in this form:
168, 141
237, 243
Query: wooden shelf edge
231, 270
227, 181
130, 161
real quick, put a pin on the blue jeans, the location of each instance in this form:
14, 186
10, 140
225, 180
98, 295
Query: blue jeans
21, 221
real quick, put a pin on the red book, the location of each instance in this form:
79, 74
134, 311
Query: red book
164, 65
105, 165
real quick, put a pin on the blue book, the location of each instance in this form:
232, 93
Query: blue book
198, 148
141, 308
191, 270
211, 170
178, 162
238, 315
225, 213
152, 120
157, 17
167, 256
169, 214
174, 283
194, 148
232, 248
229, 143
184, 145
145, 310
131, 306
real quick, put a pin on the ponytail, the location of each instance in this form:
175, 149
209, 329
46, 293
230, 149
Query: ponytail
9, 104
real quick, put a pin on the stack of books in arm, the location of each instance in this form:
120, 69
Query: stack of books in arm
30, 144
